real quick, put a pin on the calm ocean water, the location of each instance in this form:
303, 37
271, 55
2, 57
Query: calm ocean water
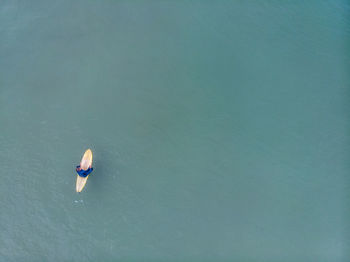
220, 130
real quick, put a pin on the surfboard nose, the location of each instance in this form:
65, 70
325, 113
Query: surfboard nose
86, 161
88, 152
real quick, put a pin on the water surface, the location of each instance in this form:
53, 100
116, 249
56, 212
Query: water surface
220, 130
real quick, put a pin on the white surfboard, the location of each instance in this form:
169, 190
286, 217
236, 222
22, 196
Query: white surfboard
85, 163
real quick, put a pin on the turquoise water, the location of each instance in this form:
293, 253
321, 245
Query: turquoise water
220, 130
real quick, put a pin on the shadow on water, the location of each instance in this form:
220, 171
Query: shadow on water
105, 172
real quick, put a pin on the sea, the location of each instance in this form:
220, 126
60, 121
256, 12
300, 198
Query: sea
219, 130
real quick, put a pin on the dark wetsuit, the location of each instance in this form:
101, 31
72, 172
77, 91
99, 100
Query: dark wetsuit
83, 173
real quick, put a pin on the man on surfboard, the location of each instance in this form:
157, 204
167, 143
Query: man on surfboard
83, 170
84, 173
